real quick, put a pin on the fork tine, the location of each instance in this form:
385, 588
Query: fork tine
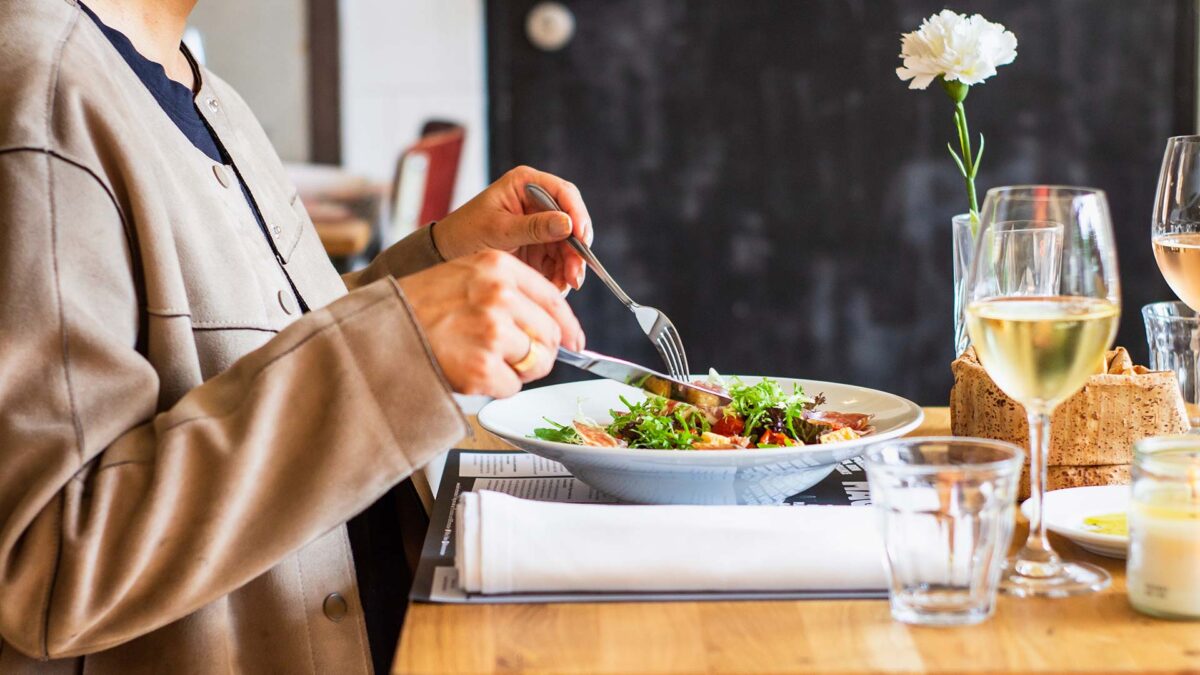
680, 362
669, 354
654, 333
673, 333
660, 345
671, 344
672, 356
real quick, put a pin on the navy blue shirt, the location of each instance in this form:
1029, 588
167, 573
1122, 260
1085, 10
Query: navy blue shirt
176, 100
179, 103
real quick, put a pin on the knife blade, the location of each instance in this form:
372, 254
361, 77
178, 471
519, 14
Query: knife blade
643, 378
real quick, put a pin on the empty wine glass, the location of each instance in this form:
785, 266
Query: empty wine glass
1042, 311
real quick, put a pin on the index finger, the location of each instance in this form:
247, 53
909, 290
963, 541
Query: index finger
534, 286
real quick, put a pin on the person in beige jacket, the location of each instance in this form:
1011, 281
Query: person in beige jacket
181, 443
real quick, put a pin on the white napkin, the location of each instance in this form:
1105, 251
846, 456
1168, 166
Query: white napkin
510, 545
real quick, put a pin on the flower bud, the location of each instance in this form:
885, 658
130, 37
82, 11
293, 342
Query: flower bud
956, 90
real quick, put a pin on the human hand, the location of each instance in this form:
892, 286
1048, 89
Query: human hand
503, 217
492, 321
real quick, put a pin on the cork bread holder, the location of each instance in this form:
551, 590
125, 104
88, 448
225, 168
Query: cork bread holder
1092, 433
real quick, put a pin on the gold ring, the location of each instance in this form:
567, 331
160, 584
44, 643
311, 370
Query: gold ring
530, 359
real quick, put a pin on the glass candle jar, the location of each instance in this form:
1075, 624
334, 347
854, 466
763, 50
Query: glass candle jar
1163, 573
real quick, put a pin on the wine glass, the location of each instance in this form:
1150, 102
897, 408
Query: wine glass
1176, 223
1040, 334
1175, 233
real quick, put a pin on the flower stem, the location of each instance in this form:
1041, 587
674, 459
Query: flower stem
968, 158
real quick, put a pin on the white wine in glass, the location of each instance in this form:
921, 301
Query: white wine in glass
1042, 349
1040, 330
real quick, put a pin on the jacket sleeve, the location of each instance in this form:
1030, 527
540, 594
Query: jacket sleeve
116, 519
407, 256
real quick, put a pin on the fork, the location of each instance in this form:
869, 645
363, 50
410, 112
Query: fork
652, 321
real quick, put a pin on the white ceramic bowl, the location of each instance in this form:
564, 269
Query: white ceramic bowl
1064, 511
751, 476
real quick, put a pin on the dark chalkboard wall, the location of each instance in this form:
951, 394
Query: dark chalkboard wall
756, 169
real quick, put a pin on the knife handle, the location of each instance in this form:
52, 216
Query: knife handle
573, 358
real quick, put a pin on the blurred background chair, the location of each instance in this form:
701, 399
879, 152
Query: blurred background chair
348, 209
423, 185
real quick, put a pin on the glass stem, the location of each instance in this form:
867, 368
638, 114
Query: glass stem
1037, 559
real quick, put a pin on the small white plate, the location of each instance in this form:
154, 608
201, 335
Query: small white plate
1066, 509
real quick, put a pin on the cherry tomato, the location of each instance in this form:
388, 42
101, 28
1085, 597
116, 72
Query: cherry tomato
729, 425
775, 438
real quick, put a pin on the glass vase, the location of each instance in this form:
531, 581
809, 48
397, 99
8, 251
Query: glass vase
963, 232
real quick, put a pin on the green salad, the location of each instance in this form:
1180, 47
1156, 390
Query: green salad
761, 415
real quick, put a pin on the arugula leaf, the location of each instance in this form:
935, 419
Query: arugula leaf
558, 433
765, 406
656, 424
804, 431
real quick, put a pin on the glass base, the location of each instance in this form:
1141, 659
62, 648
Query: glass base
937, 605
1065, 579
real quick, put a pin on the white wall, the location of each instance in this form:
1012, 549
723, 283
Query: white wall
261, 49
403, 62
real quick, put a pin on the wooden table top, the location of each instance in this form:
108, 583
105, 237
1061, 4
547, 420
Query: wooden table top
1099, 632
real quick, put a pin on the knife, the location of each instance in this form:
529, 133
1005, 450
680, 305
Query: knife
643, 378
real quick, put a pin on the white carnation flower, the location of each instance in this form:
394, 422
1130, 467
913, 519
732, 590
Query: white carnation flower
956, 48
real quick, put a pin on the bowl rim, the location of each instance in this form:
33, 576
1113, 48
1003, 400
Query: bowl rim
716, 455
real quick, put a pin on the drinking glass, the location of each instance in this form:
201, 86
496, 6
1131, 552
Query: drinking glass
1173, 334
1175, 227
946, 506
1040, 347
1027, 256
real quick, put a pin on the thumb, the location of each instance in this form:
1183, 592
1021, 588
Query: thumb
539, 228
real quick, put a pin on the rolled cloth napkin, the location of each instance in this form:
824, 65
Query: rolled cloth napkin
510, 545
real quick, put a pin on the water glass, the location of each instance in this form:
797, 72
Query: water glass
1173, 333
1028, 253
1027, 257
947, 509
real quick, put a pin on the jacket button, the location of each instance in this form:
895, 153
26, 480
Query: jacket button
212, 103
276, 231
289, 307
222, 175
335, 607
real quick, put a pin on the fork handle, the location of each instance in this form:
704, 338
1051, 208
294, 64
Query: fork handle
544, 200
594, 263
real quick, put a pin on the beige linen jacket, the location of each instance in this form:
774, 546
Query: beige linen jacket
179, 449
